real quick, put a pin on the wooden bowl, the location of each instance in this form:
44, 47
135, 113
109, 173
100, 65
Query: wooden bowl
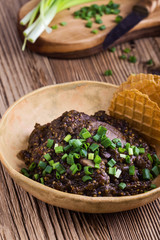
42, 106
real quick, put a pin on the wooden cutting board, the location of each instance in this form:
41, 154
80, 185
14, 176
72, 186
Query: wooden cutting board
75, 40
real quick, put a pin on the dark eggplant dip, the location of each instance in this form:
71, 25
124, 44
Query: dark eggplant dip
90, 155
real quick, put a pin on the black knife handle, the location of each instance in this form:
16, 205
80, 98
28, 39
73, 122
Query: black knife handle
145, 7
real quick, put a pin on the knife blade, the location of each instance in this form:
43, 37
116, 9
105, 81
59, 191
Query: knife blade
140, 11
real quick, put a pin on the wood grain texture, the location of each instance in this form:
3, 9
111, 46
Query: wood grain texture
78, 40
21, 215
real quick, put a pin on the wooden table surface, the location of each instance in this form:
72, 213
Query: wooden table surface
23, 216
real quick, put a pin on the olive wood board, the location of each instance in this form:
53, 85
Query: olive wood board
46, 104
75, 40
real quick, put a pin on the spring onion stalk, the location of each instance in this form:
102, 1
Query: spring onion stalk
41, 16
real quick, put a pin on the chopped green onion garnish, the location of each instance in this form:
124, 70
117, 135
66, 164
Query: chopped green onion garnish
101, 131
89, 24
94, 31
67, 138
54, 27
51, 163
113, 146
94, 147
116, 140
146, 174
88, 170
141, 150
156, 159
58, 149
153, 186
79, 166
122, 185
86, 178
108, 72
96, 137
44, 173
132, 59
76, 143
118, 173
123, 155
48, 169
24, 171
121, 150
127, 50
131, 170
103, 27
66, 148
42, 180
127, 145
63, 24
97, 159
64, 156
155, 171
32, 166
130, 151
55, 165
47, 157
119, 144
55, 145
58, 176
111, 163
70, 159
91, 156
128, 159
84, 133
74, 169
50, 143
97, 165
118, 19
136, 151
112, 171
76, 155
83, 153
36, 176
150, 157
106, 142
42, 164
113, 49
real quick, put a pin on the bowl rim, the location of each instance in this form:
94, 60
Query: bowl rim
15, 174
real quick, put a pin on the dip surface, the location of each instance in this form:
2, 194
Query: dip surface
75, 154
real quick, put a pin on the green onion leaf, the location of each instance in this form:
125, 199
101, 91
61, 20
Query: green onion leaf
47, 157
42, 180
97, 159
48, 169
58, 149
94, 147
111, 163
131, 170
86, 178
36, 176
50, 143
42, 164
128, 159
91, 156
112, 171
83, 153
32, 166
122, 185
153, 186
155, 171
67, 138
141, 150
146, 174
24, 171
108, 72
88, 170
70, 159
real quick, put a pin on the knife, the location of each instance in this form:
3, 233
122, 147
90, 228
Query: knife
140, 11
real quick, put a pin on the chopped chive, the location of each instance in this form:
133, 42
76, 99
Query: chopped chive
111, 163
48, 169
136, 151
86, 178
89, 24
36, 176
63, 24
113, 146
83, 153
127, 50
123, 155
112, 171
79, 166
42, 180
132, 59
58, 149
50, 143
55, 145
113, 49
94, 31
127, 145
131, 170
128, 159
123, 57
76, 155
47, 157
60, 168
150, 157
88, 170
118, 19
24, 171
155, 171
119, 144
58, 176
103, 27
84, 133
150, 62
116, 140
66, 148
55, 165
42, 164
121, 150
76, 143
118, 173
74, 169
122, 185
96, 137
54, 27
64, 156
146, 174
141, 150
97, 159
106, 142
67, 138
44, 173
70, 159
94, 147
32, 166
101, 131
51, 163
108, 72
130, 151
156, 159
153, 186
97, 165
91, 156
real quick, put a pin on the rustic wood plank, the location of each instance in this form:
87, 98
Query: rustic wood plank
21, 215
